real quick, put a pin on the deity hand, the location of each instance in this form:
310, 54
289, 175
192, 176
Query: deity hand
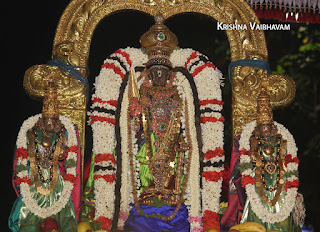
135, 107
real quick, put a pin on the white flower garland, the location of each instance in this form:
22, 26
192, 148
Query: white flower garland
251, 192
107, 86
193, 192
31, 204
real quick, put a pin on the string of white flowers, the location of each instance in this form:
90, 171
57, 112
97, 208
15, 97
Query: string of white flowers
194, 180
208, 83
253, 197
125, 179
30, 202
107, 85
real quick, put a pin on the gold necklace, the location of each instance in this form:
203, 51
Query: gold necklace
262, 166
35, 168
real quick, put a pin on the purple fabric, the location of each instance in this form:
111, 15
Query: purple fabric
145, 223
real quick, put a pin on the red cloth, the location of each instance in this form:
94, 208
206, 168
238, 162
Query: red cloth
76, 192
236, 197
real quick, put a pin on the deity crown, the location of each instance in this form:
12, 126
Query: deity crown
159, 42
264, 109
50, 107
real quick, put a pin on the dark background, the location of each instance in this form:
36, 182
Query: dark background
29, 33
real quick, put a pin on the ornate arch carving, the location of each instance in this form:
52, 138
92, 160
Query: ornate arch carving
79, 20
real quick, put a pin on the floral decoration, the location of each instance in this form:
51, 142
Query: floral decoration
105, 102
24, 181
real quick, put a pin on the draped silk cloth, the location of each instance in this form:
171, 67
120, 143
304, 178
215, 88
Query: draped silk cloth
146, 223
236, 194
22, 219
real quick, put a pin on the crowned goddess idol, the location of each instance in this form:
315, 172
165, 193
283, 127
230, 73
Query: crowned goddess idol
269, 173
157, 160
47, 171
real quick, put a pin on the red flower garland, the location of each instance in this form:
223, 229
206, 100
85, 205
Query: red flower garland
244, 152
212, 175
289, 159
211, 101
71, 178
21, 152
110, 102
72, 149
106, 223
108, 178
125, 55
116, 69
204, 119
246, 179
211, 154
104, 157
211, 220
25, 179
291, 184
192, 56
199, 69
94, 118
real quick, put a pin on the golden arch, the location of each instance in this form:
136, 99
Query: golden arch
79, 20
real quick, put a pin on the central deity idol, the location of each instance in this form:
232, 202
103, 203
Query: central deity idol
157, 107
157, 138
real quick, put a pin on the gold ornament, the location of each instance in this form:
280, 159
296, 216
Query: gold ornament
50, 108
159, 41
264, 110
133, 87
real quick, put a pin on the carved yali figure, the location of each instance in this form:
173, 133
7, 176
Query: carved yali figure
46, 171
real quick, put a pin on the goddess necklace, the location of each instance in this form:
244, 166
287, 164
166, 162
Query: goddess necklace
270, 165
46, 157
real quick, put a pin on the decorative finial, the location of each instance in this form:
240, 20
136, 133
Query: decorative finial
264, 109
50, 107
159, 42
159, 19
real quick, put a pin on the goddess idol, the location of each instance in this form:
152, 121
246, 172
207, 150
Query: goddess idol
157, 160
47, 171
269, 172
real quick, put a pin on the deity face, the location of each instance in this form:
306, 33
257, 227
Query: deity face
265, 130
51, 125
159, 75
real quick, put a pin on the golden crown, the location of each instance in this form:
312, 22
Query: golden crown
264, 109
159, 42
50, 107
